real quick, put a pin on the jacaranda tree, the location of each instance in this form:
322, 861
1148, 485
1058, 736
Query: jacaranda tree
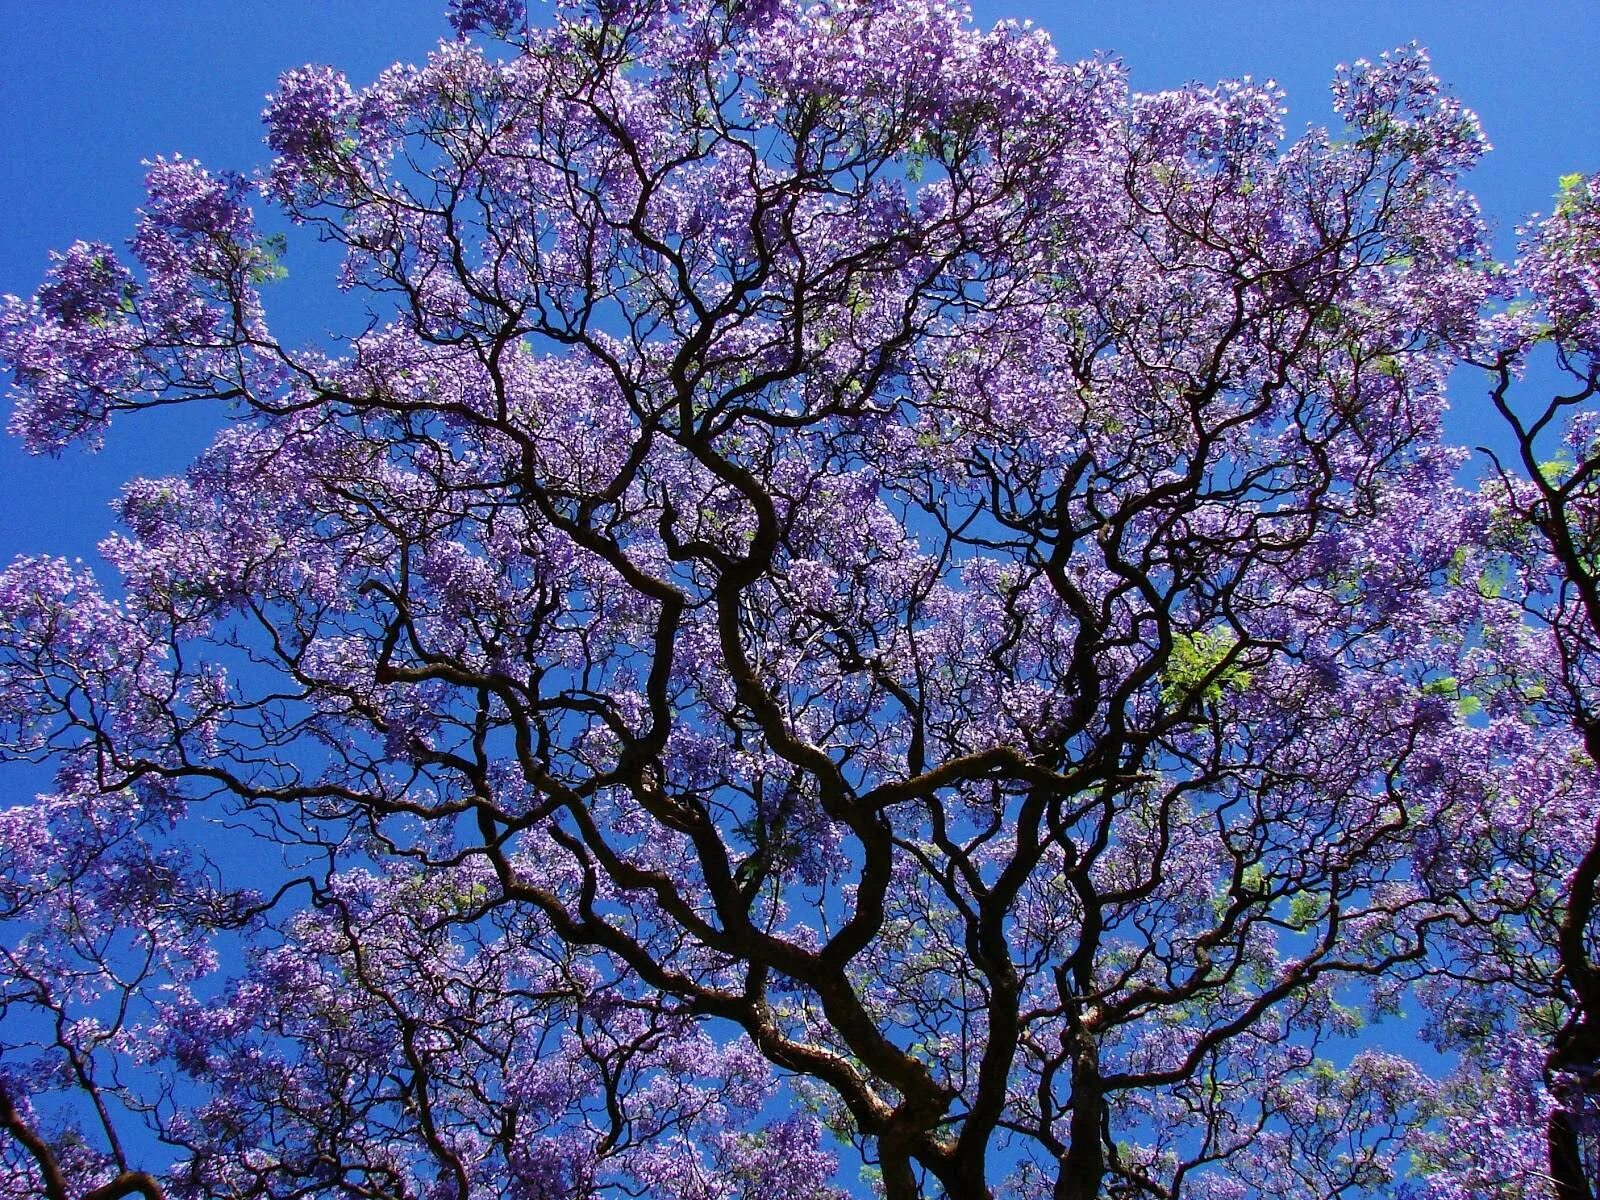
859, 608
1544, 521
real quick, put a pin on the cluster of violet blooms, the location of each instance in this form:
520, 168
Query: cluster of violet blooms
869, 612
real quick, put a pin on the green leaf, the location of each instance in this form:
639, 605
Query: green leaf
1556, 470
1570, 196
1195, 670
1304, 909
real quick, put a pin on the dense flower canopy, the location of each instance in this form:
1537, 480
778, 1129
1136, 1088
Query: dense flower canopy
865, 608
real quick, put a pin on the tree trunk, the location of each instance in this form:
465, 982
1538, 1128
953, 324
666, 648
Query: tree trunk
1083, 1167
1566, 1159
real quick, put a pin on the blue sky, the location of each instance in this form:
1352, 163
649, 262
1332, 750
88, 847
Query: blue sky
87, 91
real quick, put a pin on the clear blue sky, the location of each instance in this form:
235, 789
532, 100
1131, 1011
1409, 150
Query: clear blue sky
88, 90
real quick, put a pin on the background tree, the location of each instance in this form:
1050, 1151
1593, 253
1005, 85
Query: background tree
1540, 513
858, 582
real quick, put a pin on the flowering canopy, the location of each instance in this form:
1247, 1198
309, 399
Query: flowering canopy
863, 598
